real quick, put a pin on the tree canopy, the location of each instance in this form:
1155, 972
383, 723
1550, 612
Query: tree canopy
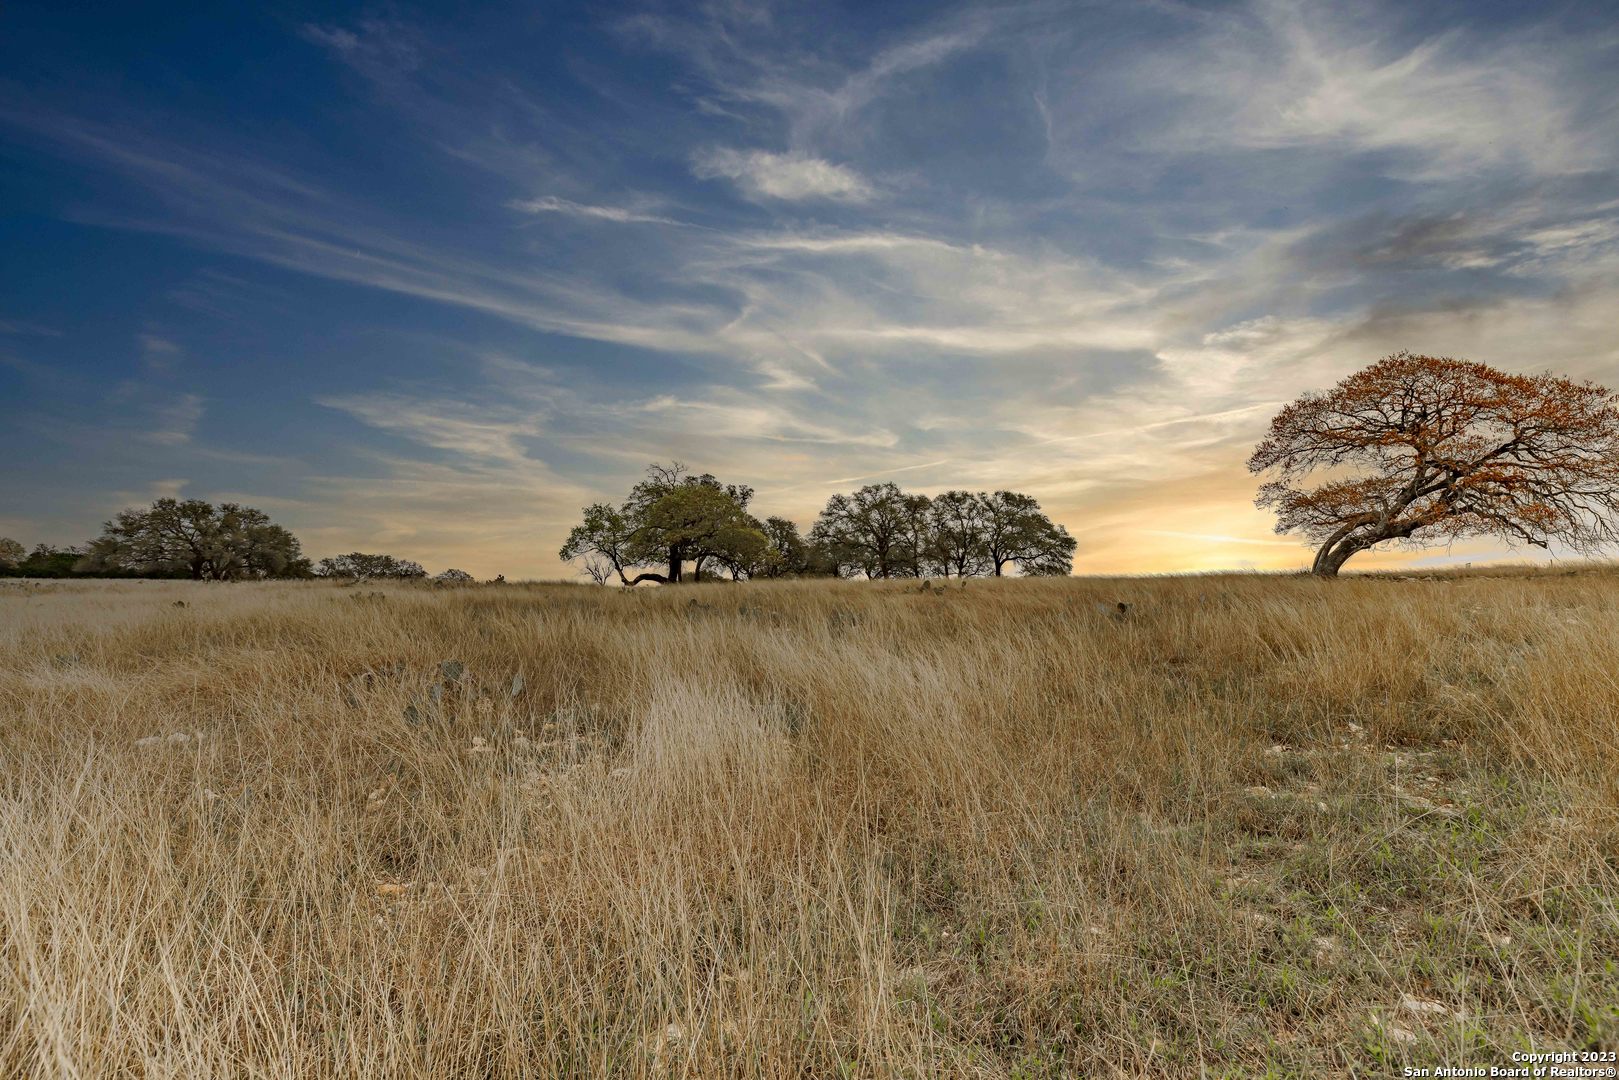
959, 523
47, 561
1415, 449
874, 531
788, 554
1018, 532
674, 517
359, 566
669, 519
195, 537
881, 531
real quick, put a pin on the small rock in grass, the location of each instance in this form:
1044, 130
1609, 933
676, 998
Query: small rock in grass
1400, 1035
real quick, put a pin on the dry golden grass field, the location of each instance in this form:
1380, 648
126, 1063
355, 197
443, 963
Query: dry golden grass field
1255, 826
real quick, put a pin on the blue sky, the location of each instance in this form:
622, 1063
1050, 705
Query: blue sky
427, 279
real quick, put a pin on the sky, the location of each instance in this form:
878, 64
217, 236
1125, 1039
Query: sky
428, 279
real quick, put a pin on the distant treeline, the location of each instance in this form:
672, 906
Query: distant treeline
196, 540
671, 520
172, 538
45, 561
675, 517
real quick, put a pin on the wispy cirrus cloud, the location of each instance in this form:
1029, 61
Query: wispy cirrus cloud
382, 49
177, 420
1284, 75
551, 204
160, 354
23, 328
789, 177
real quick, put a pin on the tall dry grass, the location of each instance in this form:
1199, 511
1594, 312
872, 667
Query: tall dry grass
807, 829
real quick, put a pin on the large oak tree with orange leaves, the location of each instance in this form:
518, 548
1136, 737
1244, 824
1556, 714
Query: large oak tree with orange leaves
1418, 448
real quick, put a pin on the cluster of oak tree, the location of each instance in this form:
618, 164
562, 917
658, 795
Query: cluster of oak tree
1411, 450
173, 538
195, 539
674, 518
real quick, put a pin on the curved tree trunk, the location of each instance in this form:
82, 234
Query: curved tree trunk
1333, 554
1338, 549
1330, 559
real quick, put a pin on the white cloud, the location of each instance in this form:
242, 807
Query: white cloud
177, 421
168, 489
734, 415
159, 353
1276, 74
12, 326
551, 204
382, 50
152, 344
464, 429
782, 176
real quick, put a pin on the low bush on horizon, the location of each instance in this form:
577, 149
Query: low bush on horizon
1222, 826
